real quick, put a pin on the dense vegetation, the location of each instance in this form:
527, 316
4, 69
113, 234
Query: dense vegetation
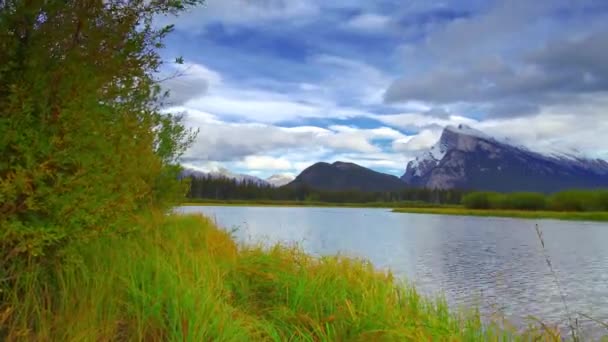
182, 279
573, 200
217, 188
84, 146
600, 216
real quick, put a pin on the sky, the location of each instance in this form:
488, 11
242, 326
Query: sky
274, 86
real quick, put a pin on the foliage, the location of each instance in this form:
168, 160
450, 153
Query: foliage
524, 201
601, 216
580, 200
572, 200
83, 142
182, 279
481, 200
218, 188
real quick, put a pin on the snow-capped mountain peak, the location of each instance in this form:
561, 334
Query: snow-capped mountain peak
468, 158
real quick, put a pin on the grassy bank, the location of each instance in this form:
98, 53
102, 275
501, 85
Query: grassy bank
556, 215
182, 279
275, 203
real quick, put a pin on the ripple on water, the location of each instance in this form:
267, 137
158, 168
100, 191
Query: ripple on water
496, 264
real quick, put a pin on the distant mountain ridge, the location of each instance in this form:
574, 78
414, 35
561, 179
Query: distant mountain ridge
463, 158
466, 158
341, 176
274, 180
225, 173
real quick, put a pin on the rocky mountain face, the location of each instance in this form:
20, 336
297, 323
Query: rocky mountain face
465, 158
341, 176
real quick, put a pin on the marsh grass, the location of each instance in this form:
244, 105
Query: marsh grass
180, 278
601, 216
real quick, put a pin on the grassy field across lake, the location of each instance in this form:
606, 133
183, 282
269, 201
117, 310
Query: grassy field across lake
180, 278
525, 214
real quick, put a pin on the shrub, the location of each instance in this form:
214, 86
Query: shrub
481, 200
602, 200
83, 142
573, 200
525, 201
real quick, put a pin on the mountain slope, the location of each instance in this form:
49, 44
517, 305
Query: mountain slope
279, 179
469, 159
341, 176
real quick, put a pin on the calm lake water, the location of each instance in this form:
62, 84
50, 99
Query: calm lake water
496, 264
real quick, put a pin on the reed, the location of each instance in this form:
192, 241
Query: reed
180, 278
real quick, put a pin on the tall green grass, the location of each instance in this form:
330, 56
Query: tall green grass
182, 279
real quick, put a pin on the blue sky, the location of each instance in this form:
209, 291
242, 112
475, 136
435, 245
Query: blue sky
276, 85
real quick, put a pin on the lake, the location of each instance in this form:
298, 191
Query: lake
496, 264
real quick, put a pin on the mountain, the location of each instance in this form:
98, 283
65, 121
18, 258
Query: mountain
279, 179
466, 158
224, 173
341, 176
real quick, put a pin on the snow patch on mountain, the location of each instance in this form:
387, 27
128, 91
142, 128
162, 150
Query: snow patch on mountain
280, 179
464, 157
554, 151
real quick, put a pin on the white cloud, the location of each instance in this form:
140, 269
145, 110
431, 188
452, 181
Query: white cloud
264, 109
226, 141
354, 80
242, 12
202, 89
271, 149
419, 121
188, 81
370, 23
265, 163
421, 141
560, 127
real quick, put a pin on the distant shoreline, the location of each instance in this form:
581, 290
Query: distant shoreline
417, 208
271, 203
595, 216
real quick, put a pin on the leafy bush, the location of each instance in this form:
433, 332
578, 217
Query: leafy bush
602, 200
572, 200
83, 142
481, 200
525, 201
575, 200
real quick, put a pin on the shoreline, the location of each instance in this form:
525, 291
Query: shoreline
421, 208
591, 216
270, 203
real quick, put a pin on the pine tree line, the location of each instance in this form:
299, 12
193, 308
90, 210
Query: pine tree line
220, 188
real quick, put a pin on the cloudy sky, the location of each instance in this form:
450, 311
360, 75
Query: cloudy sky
276, 85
